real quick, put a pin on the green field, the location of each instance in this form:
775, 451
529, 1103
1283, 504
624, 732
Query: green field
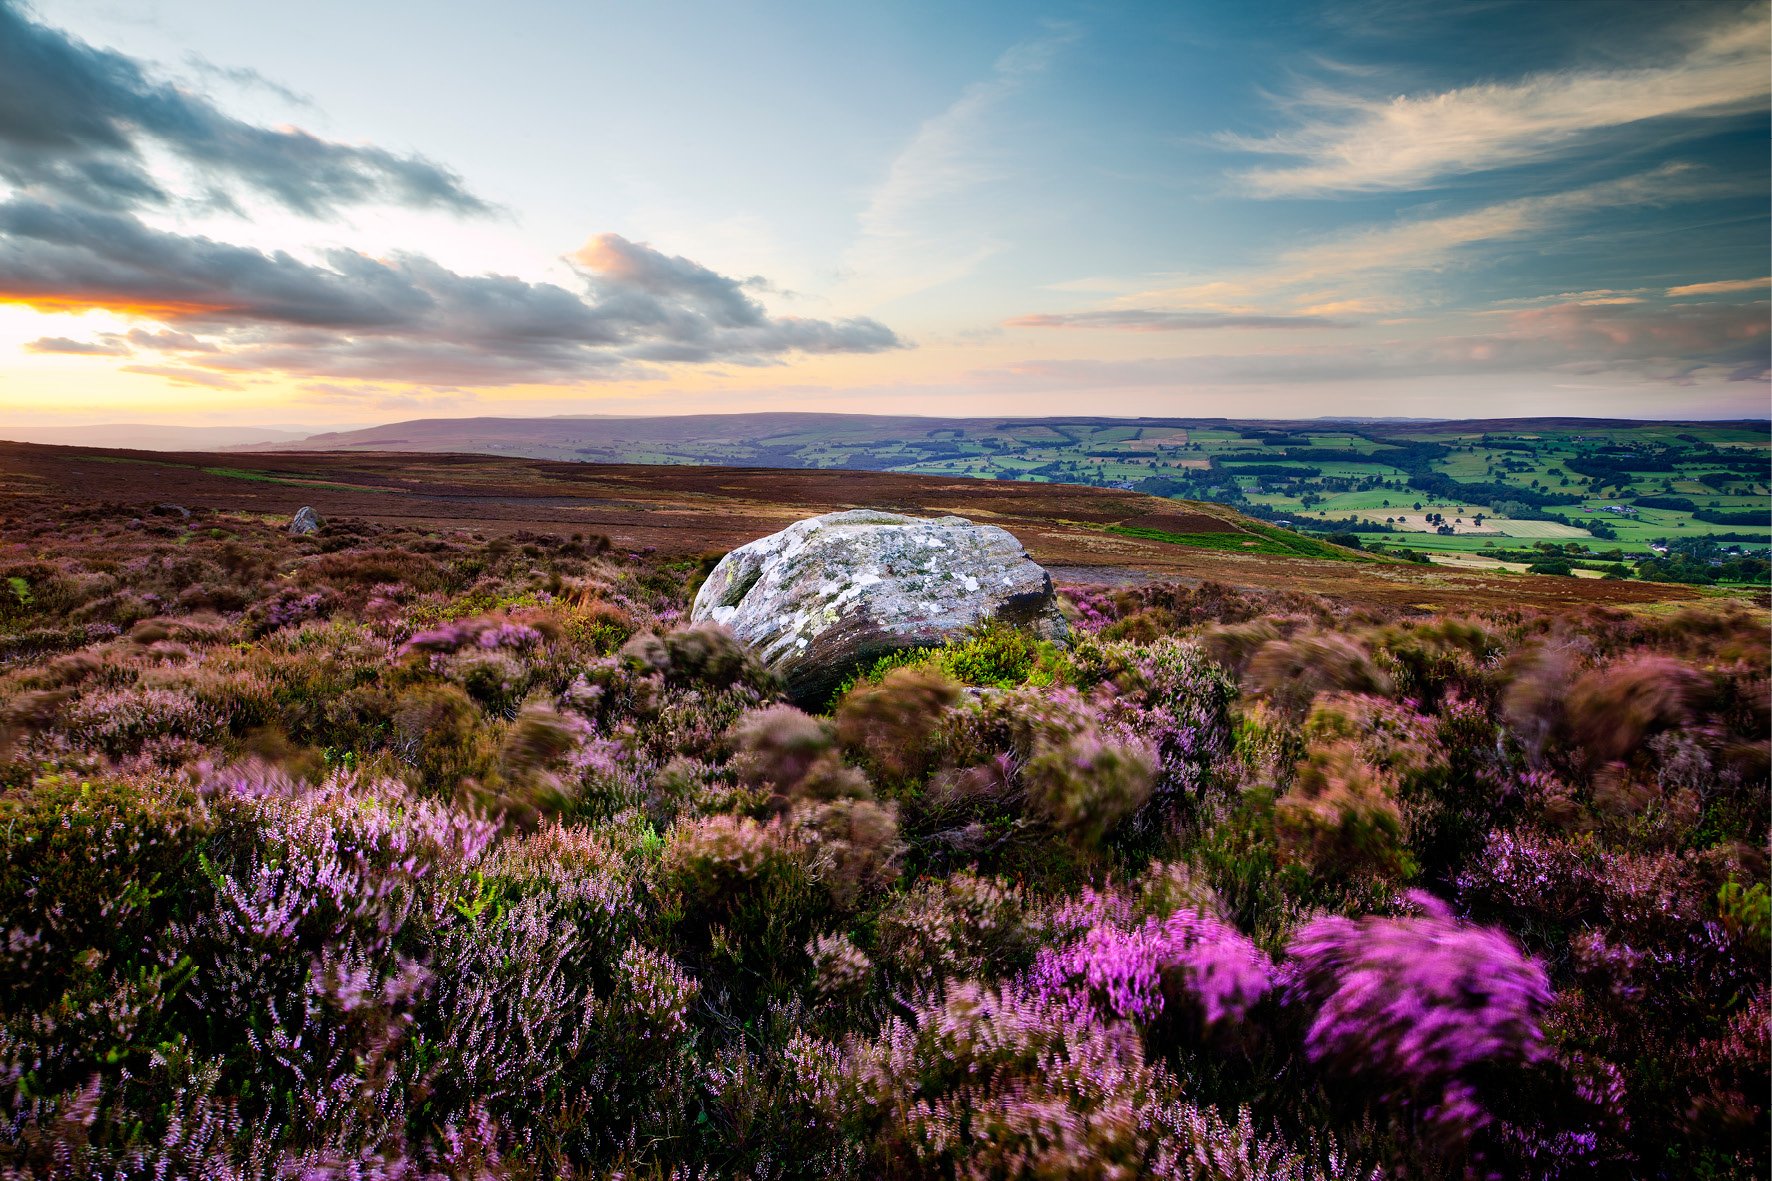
1558, 484
1627, 493
1574, 487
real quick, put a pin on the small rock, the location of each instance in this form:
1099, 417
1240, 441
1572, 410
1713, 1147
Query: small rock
306, 520
833, 593
171, 510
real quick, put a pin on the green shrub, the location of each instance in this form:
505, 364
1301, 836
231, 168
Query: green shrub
992, 654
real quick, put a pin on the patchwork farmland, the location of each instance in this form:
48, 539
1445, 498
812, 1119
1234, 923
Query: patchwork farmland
1689, 501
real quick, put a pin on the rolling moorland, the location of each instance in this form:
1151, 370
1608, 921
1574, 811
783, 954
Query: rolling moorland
1569, 496
435, 844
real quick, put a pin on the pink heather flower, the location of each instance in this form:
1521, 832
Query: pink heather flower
483, 632
1415, 1005
1124, 968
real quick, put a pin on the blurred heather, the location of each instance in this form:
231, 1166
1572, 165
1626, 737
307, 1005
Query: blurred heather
384, 853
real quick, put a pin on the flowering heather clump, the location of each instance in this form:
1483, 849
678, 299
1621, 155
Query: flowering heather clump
704, 652
1341, 816
1198, 1144
1171, 695
1078, 775
1091, 610
786, 750
117, 720
1429, 659
386, 854
1389, 736
1291, 673
851, 847
484, 632
1088, 784
288, 607
1613, 709
841, 969
711, 855
495, 679
961, 927
995, 1083
1420, 1010
1188, 958
510, 1011
896, 725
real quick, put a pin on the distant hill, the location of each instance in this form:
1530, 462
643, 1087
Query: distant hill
1096, 536
147, 437
1481, 490
812, 439
769, 439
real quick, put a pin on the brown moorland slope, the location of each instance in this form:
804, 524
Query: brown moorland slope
1084, 534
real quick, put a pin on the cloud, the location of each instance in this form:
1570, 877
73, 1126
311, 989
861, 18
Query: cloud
623, 265
1673, 346
246, 78
76, 123
165, 341
1318, 277
404, 317
1157, 320
78, 128
1723, 287
915, 233
184, 375
61, 345
1350, 143
399, 399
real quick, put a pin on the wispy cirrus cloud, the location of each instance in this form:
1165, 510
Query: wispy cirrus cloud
1723, 287
1676, 345
1346, 142
917, 230
1377, 269
185, 375
1157, 320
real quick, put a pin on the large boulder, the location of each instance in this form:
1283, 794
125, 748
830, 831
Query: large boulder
306, 520
829, 594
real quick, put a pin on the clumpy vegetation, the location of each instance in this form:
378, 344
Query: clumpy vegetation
380, 853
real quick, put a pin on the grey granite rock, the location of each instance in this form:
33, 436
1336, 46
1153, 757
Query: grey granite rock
306, 520
832, 593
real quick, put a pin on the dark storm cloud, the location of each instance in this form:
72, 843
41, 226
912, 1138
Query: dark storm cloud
404, 317
1153, 320
74, 121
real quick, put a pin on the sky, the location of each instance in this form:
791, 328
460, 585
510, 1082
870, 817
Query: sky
340, 213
